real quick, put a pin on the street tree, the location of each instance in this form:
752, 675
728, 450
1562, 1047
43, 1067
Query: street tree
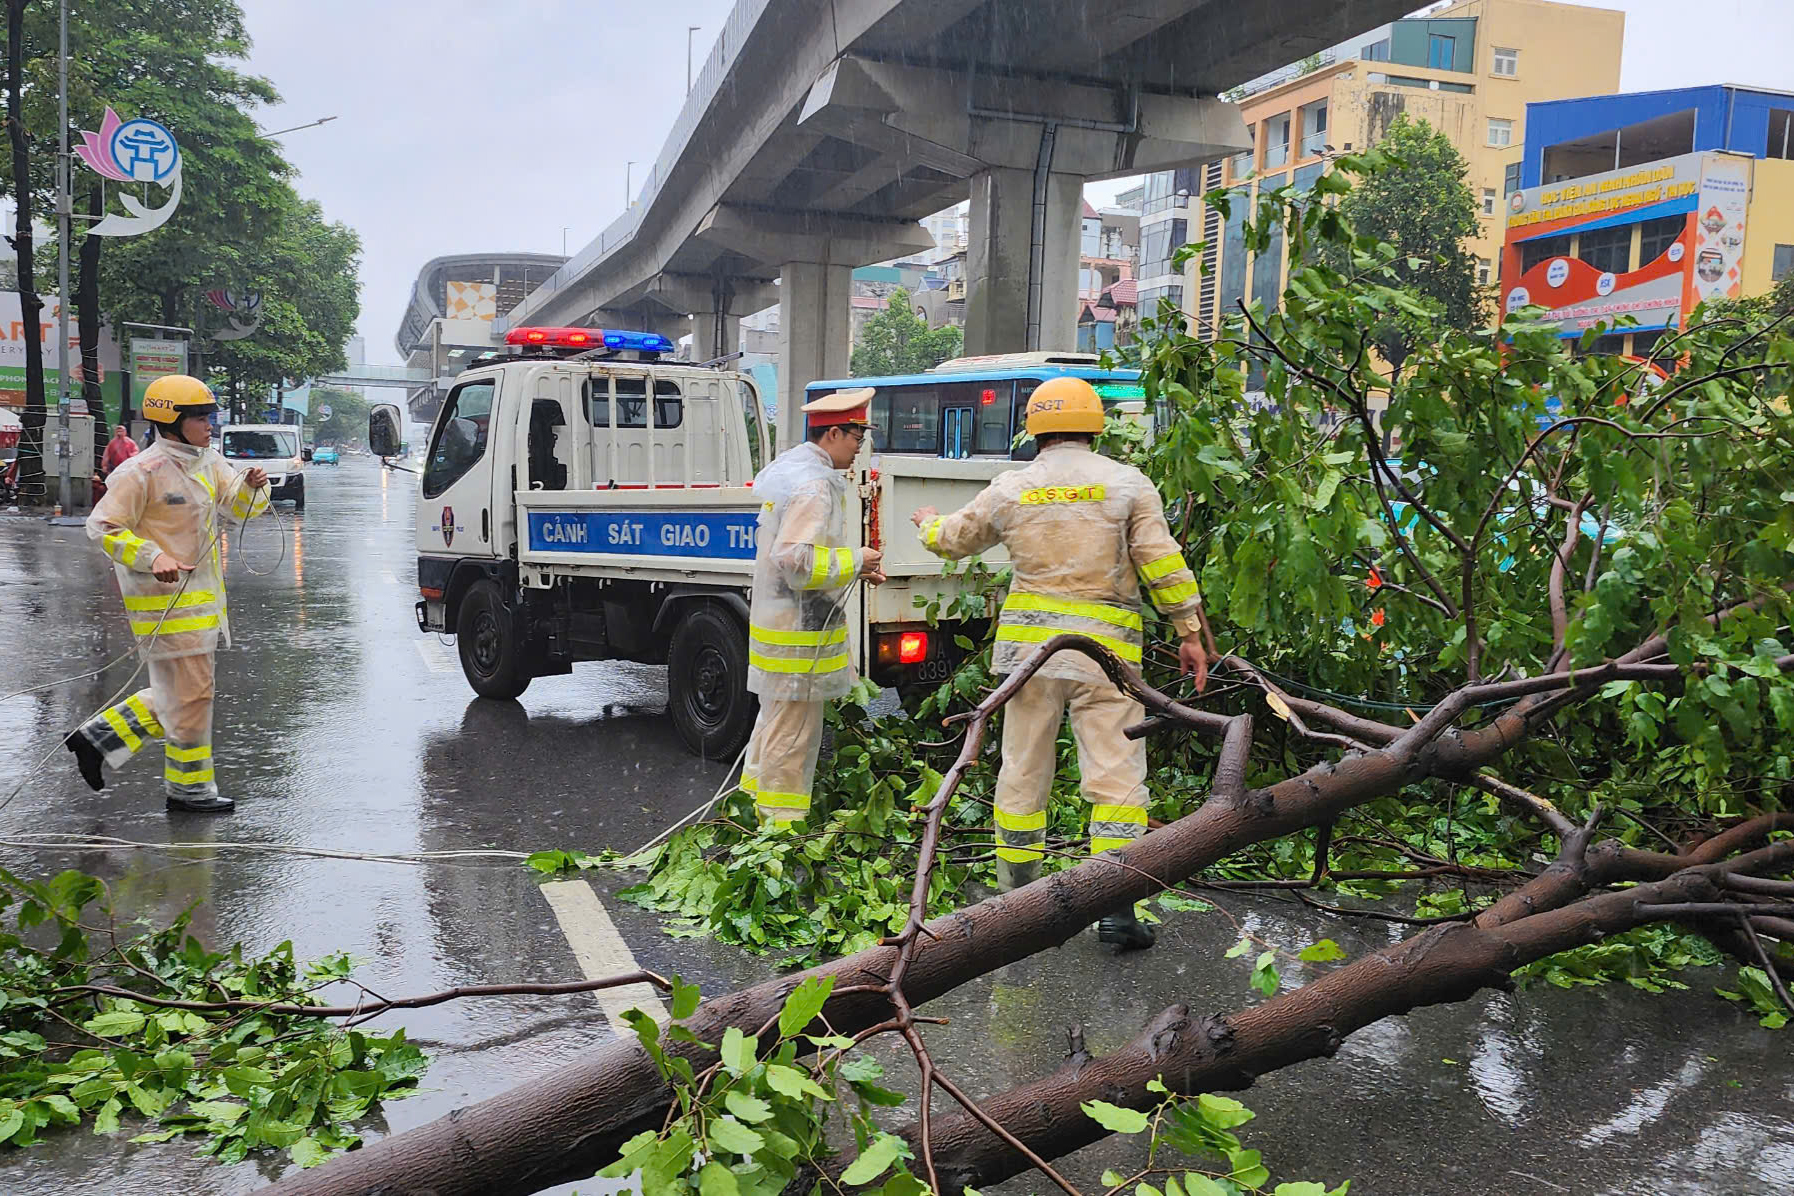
31, 440
1426, 211
348, 418
1552, 618
898, 341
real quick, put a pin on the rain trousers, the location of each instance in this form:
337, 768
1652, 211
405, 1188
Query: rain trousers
1085, 535
168, 499
798, 653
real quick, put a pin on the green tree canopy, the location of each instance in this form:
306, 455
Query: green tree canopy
898, 341
1425, 211
348, 419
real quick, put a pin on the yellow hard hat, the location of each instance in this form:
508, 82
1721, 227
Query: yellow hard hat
1064, 405
167, 399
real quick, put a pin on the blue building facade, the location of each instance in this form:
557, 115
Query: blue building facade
1570, 138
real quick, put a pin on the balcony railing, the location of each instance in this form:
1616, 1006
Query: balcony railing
1314, 144
1240, 165
1276, 155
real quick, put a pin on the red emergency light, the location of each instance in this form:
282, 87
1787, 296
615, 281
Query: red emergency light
589, 338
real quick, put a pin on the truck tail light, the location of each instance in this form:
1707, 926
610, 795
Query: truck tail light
912, 647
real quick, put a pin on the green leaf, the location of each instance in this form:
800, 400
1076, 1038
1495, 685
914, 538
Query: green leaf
1114, 1118
737, 1051
733, 1136
1223, 1112
1248, 1171
308, 1152
750, 1109
875, 1160
1302, 1188
804, 1003
1239, 949
114, 1023
1197, 1184
789, 1081
1324, 951
685, 999
1264, 974
714, 1179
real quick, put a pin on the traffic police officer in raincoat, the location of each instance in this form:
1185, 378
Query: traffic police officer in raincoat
1086, 535
806, 558
159, 524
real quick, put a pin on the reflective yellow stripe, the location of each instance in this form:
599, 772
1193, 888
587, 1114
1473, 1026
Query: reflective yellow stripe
783, 801
1040, 635
211, 490
145, 717
249, 502
1022, 822
825, 664
198, 776
818, 570
1163, 567
1019, 855
187, 755
797, 639
843, 572
1051, 494
121, 728
161, 601
1136, 815
749, 785
174, 626
123, 547
931, 535
1101, 611
1172, 595
1098, 846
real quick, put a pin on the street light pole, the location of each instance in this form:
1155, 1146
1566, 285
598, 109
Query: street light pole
628, 191
64, 210
689, 30
310, 124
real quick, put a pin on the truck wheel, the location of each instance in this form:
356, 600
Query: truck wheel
491, 648
707, 694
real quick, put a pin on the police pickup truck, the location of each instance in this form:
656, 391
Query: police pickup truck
585, 498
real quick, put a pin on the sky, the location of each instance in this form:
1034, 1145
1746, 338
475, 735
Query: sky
465, 126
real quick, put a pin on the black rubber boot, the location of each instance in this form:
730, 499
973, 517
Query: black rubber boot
1126, 931
1012, 876
217, 803
87, 758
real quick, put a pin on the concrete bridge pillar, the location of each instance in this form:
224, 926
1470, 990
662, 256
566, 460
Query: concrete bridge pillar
1022, 261
815, 330
714, 334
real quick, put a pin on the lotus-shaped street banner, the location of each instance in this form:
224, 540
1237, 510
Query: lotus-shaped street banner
244, 309
133, 151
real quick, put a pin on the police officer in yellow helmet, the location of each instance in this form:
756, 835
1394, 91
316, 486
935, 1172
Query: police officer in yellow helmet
1088, 540
160, 524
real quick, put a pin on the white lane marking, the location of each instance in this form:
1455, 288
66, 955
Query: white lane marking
601, 951
435, 656
387, 576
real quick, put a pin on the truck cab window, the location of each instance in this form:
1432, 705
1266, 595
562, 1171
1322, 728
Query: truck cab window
632, 402
460, 436
546, 470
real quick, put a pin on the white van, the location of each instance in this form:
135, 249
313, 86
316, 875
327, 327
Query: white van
274, 447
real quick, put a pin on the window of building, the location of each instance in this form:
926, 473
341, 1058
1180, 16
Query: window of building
1483, 271
1314, 129
1277, 141
1093, 237
1157, 243
1501, 131
1608, 249
1655, 236
1507, 62
1510, 182
1488, 201
1375, 51
1240, 165
1542, 250
1441, 52
1781, 134
460, 436
1611, 344
1782, 265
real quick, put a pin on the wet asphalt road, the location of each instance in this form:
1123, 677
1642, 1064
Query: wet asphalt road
340, 727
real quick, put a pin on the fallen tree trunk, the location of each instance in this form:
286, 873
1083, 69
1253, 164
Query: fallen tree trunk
567, 1125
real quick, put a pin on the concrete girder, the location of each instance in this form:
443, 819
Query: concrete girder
997, 121
1224, 43
690, 293
777, 237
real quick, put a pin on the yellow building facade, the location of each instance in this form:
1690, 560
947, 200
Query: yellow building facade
1468, 70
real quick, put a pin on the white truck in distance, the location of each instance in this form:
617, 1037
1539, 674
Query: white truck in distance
585, 500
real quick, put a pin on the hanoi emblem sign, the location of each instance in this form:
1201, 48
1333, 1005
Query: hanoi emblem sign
448, 527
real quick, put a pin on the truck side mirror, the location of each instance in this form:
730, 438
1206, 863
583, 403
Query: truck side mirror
384, 428
305, 454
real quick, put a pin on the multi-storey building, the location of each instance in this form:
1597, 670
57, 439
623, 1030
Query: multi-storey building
1645, 205
1469, 69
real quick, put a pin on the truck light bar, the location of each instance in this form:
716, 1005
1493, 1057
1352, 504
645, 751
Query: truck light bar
589, 338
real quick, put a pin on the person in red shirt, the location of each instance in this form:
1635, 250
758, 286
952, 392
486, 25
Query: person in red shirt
119, 449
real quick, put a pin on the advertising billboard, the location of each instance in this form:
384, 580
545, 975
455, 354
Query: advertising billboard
1706, 192
152, 359
12, 351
